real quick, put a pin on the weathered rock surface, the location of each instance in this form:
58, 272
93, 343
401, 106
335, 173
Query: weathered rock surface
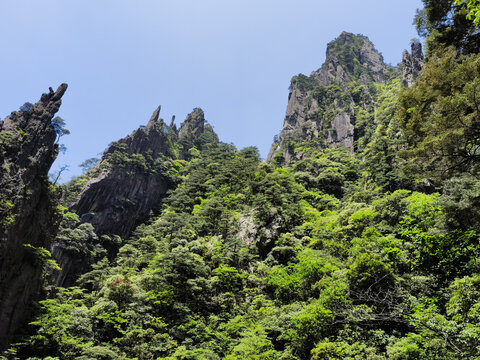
321, 107
193, 126
28, 216
130, 182
125, 190
412, 63
122, 193
351, 56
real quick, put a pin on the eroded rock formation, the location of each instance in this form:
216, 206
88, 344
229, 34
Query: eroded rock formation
130, 179
190, 132
127, 186
28, 215
321, 107
412, 63
129, 183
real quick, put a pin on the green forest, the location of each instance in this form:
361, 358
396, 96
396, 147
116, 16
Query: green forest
331, 254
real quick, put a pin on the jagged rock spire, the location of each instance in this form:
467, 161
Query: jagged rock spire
27, 151
154, 118
349, 58
118, 198
412, 63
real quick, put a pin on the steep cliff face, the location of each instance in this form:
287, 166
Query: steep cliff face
133, 174
127, 185
28, 216
323, 109
412, 63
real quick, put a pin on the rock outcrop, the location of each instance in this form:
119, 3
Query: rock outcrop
131, 179
129, 183
28, 215
322, 107
127, 186
412, 63
351, 57
190, 132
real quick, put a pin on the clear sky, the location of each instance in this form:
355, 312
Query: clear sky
232, 58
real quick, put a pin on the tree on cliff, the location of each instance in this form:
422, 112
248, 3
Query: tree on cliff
59, 125
445, 23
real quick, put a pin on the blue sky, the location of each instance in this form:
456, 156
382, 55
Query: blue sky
234, 59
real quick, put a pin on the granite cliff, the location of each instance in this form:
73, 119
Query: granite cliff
324, 108
133, 176
28, 207
412, 63
129, 183
126, 186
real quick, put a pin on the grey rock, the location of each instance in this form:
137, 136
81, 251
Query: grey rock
117, 198
28, 216
193, 126
412, 63
190, 131
348, 58
340, 60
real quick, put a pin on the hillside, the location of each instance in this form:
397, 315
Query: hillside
357, 238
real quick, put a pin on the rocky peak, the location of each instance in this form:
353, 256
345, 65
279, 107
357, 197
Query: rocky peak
321, 107
412, 63
194, 125
31, 131
154, 118
28, 216
131, 178
127, 184
190, 132
151, 139
351, 57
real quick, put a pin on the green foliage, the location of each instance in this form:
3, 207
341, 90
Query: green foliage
41, 256
249, 261
299, 280
333, 256
446, 23
63, 324
369, 274
473, 7
304, 83
447, 255
59, 126
383, 165
439, 116
253, 345
349, 54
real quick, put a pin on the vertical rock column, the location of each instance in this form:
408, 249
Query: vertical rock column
28, 216
412, 64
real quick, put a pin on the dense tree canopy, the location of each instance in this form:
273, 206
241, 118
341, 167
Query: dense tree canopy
335, 255
445, 23
441, 115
